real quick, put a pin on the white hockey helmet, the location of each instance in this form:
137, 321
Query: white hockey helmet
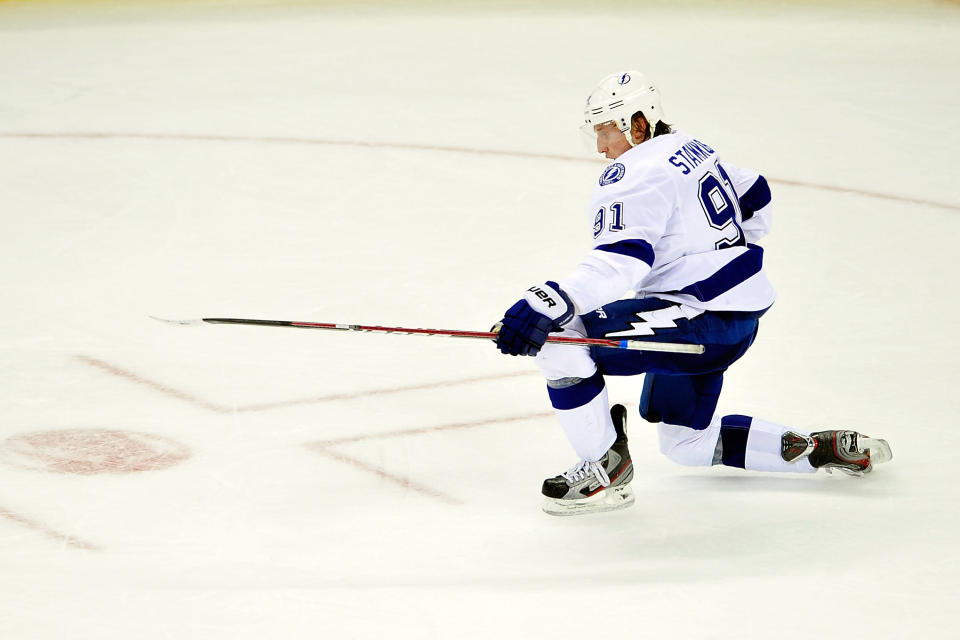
617, 98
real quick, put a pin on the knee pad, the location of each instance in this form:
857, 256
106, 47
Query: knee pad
683, 400
559, 361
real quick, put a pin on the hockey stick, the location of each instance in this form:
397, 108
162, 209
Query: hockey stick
637, 345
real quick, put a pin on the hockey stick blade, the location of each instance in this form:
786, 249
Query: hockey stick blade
635, 345
192, 322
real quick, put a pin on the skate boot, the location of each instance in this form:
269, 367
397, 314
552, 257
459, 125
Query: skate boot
848, 451
593, 486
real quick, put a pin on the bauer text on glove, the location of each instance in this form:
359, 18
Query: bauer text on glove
525, 326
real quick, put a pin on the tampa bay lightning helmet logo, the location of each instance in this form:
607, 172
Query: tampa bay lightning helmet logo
612, 174
625, 78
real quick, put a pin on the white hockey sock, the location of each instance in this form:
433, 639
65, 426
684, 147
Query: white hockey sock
763, 449
589, 427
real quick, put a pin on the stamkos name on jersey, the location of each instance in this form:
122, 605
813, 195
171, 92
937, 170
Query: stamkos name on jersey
687, 157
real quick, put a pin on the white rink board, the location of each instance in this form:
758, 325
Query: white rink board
421, 167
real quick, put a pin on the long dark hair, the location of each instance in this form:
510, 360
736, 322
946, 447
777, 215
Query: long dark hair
661, 128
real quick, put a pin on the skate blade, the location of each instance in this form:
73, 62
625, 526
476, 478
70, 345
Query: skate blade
607, 500
853, 473
880, 451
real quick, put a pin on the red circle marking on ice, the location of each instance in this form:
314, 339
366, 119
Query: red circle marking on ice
92, 451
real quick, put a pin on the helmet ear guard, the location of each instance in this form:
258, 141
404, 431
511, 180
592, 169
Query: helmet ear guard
617, 98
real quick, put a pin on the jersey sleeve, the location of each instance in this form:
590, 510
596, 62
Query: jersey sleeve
628, 223
754, 195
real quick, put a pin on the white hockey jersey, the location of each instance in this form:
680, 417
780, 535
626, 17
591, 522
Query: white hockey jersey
671, 220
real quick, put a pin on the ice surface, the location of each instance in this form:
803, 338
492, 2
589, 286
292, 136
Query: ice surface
421, 167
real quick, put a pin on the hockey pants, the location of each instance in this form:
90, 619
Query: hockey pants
680, 391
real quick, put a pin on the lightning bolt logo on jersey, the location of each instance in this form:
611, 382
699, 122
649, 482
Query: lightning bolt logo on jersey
673, 220
647, 322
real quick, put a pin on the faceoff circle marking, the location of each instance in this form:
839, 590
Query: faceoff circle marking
92, 451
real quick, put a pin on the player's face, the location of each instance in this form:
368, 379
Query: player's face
610, 140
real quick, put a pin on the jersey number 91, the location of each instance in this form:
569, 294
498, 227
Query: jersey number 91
719, 201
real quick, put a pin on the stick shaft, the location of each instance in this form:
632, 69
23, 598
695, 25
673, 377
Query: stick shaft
641, 345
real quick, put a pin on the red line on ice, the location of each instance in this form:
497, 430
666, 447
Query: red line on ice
423, 430
404, 482
324, 447
70, 541
379, 392
80, 135
210, 406
156, 386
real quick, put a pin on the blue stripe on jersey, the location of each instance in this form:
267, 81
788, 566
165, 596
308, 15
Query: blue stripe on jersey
734, 430
756, 198
728, 276
577, 395
639, 249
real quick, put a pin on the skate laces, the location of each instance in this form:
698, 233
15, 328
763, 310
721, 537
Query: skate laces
584, 468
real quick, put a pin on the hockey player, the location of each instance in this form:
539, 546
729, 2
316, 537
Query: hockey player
674, 228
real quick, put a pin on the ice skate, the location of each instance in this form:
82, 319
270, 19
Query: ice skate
848, 451
593, 486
